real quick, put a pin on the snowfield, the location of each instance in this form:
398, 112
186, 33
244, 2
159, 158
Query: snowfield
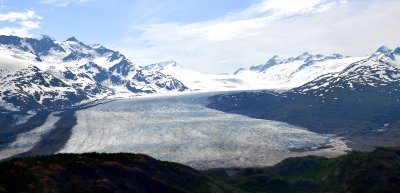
182, 129
284, 75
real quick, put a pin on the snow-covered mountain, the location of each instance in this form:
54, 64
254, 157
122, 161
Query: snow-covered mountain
198, 81
42, 73
380, 71
292, 72
360, 102
277, 73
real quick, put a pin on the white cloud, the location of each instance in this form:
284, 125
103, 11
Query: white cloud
18, 16
19, 23
285, 27
63, 3
275, 9
30, 24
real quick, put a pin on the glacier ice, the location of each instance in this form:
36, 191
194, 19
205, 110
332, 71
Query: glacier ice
182, 129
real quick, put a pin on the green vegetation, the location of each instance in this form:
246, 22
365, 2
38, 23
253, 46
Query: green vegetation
361, 172
364, 172
100, 173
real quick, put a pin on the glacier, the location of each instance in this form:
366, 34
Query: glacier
182, 129
26, 141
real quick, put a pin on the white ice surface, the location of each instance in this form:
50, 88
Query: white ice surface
181, 129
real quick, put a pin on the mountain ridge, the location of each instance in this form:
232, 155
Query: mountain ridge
359, 102
86, 73
94, 72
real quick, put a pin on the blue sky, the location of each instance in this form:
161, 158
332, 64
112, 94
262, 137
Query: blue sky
211, 35
105, 21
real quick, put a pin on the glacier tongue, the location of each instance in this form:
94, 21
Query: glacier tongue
182, 129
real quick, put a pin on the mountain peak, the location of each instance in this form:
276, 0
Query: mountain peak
338, 55
97, 46
239, 70
171, 63
383, 49
76, 41
397, 50
72, 39
274, 60
168, 63
275, 57
115, 56
303, 56
162, 65
45, 37
271, 62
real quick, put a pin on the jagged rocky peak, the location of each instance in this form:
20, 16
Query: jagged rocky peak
115, 56
72, 39
303, 56
307, 58
257, 68
90, 65
97, 46
271, 62
338, 55
385, 52
10, 40
160, 80
317, 57
76, 44
238, 71
379, 71
45, 38
275, 57
39, 46
168, 63
274, 60
383, 49
84, 73
124, 68
397, 50
162, 65
100, 49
